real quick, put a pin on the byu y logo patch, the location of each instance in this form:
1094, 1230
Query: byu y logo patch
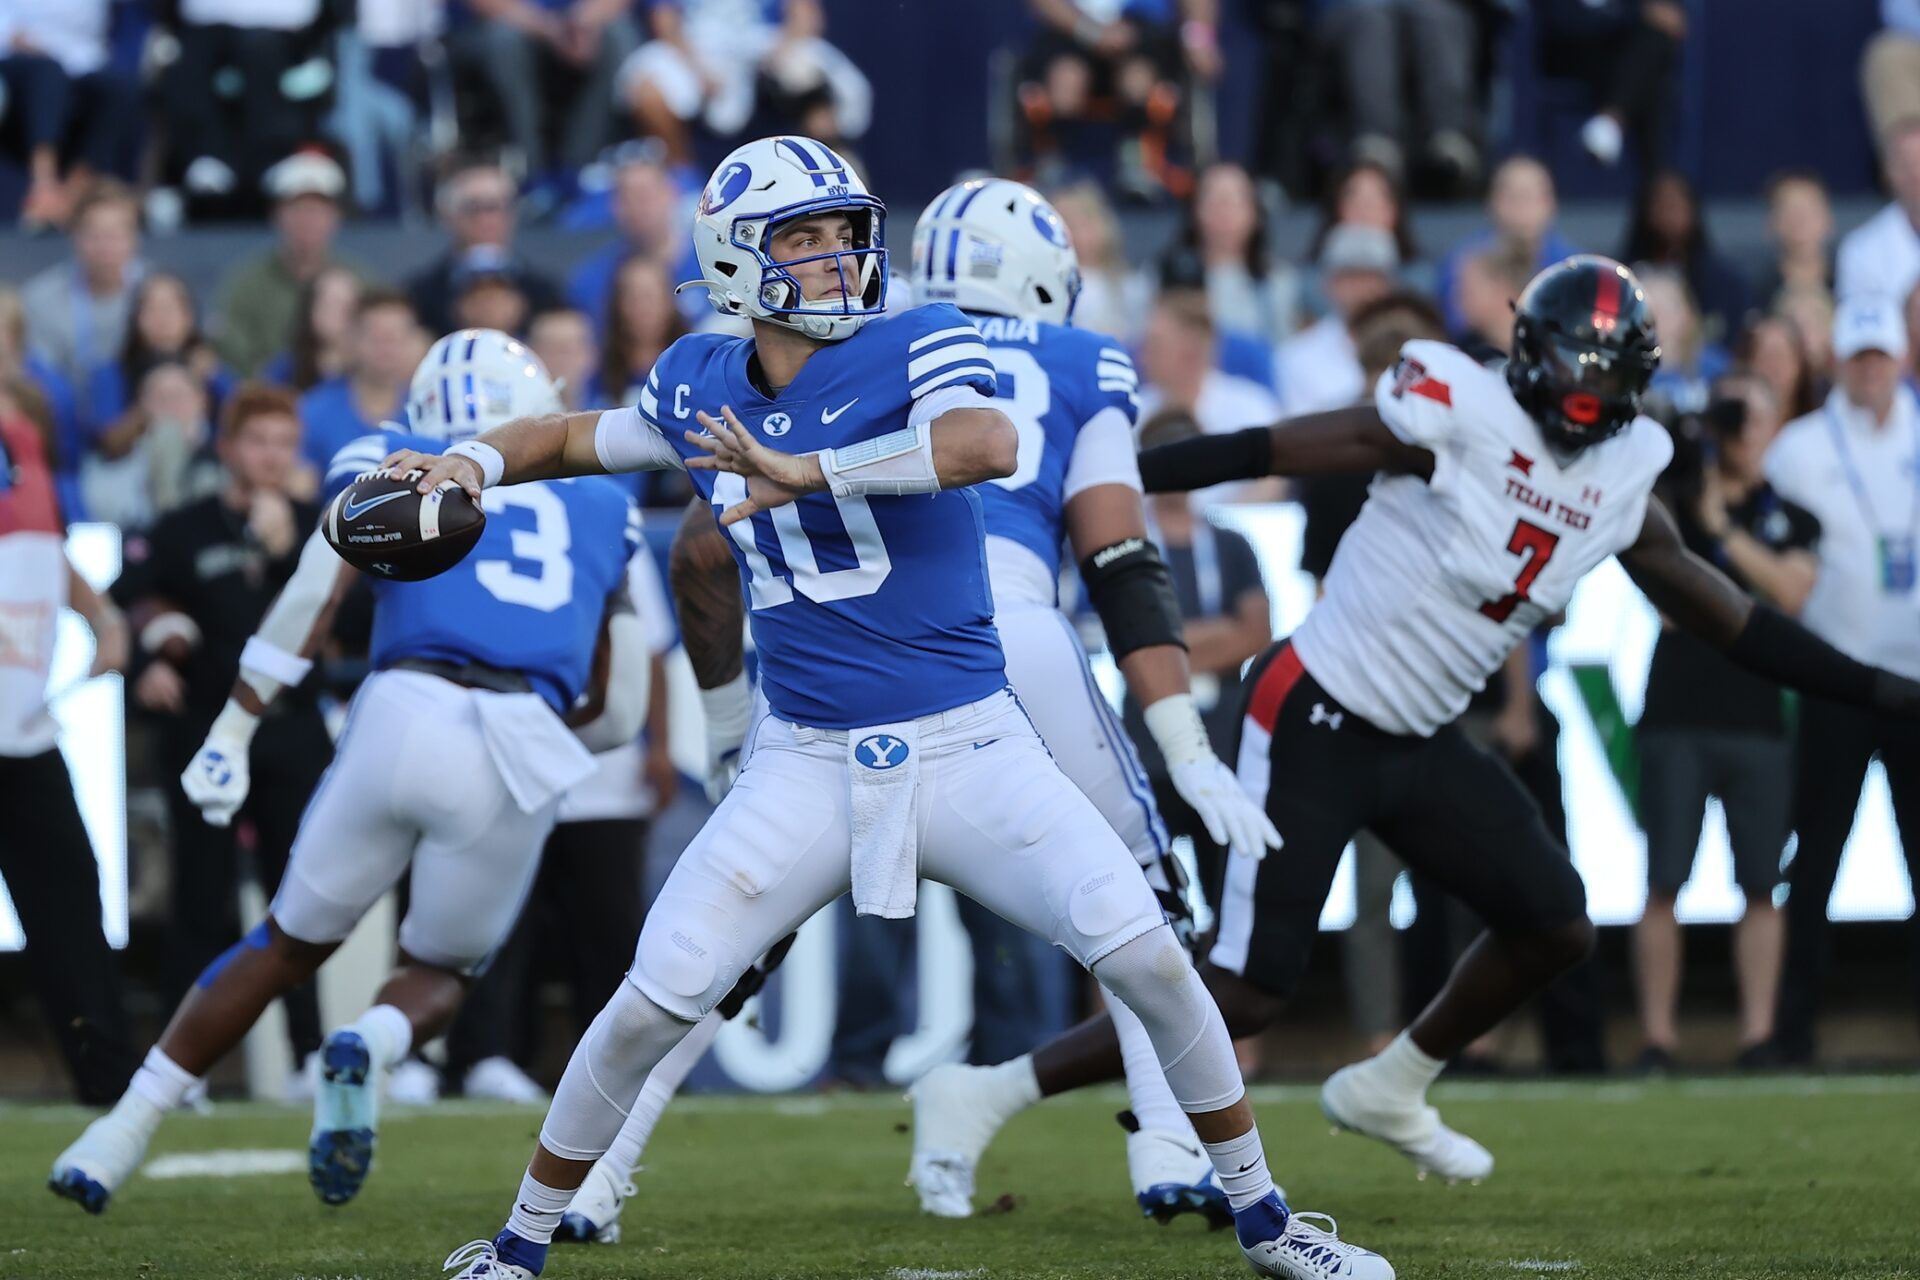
880, 751
777, 424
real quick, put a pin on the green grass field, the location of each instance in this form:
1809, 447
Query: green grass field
1710, 1178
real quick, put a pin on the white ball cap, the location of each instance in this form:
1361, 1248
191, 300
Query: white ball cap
1869, 322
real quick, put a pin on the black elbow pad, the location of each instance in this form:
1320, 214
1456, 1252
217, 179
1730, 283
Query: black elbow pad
1133, 594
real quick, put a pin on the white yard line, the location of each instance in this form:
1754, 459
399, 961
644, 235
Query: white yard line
1539, 1264
225, 1164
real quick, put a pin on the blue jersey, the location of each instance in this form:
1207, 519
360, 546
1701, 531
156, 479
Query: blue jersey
530, 595
865, 610
1053, 382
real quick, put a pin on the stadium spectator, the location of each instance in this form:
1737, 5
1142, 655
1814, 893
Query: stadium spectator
1366, 195
533, 53
77, 309
1668, 230
259, 303
1853, 465
1224, 248
197, 586
1111, 298
1771, 347
489, 296
1179, 370
651, 218
249, 86
1710, 728
1890, 70
164, 329
563, 339
322, 325
159, 454
1405, 69
384, 343
1485, 288
21, 364
1098, 62
1882, 254
1521, 207
69, 115
715, 61
1628, 51
1318, 367
477, 207
641, 323
47, 864
1689, 360
1800, 224
1812, 312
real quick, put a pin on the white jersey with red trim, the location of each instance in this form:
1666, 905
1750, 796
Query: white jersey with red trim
1439, 579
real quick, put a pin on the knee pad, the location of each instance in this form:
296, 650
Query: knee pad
689, 956
1154, 977
1107, 909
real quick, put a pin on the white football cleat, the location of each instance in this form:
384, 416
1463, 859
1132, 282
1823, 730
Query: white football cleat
1172, 1174
499, 1080
594, 1215
956, 1111
413, 1083
1307, 1251
90, 1170
1350, 1099
494, 1259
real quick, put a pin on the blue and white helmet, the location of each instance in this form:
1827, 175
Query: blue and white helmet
996, 246
475, 379
762, 186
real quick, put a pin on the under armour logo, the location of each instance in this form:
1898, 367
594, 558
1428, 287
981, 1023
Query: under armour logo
880, 751
1321, 715
218, 771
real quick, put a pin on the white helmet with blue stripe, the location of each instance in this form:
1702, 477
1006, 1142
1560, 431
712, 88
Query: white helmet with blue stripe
994, 245
475, 379
761, 187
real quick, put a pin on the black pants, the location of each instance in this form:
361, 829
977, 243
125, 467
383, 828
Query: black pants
47, 863
587, 902
224, 99
289, 754
1631, 65
92, 119
1831, 753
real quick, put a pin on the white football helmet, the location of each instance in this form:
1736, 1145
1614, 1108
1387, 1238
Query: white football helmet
996, 246
762, 186
475, 379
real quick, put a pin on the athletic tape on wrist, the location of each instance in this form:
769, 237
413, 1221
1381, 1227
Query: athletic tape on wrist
492, 465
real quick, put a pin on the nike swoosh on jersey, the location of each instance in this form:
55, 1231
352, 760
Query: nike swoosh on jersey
827, 416
352, 510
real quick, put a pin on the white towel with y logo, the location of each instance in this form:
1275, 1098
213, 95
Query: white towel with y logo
883, 771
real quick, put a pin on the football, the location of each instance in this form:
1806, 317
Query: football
381, 526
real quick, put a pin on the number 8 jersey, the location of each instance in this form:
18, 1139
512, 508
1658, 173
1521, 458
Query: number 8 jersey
864, 610
530, 595
1439, 579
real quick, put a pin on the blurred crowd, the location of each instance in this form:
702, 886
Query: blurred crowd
148, 394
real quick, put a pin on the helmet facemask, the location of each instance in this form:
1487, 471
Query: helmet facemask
862, 267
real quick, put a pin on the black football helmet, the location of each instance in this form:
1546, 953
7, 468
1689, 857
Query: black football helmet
1583, 350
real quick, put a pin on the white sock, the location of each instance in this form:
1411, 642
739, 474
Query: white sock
160, 1083
623, 1157
388, 1033
1404, 1068
1241, 1164
537, 1210
1147, 1091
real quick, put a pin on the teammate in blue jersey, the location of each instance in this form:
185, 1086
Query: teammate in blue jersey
837, 447
454, 757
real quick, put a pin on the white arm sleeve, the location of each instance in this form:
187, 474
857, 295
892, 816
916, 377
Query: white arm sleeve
629, 682
271, 661
627, 440
930, 406
1102, 454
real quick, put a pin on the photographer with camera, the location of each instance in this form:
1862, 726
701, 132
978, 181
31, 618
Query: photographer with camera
1710, 728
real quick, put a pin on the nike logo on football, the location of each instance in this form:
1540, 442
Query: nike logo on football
352, 510
827, 416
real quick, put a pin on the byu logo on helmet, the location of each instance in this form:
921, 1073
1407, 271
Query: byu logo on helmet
728, 187
880, 751
777, 424
219, 772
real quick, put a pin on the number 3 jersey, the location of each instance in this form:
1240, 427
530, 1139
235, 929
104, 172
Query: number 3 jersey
1439, 579
864, 610
530, 595
1071, 396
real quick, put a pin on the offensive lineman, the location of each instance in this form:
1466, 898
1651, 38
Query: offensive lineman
1501, 490
892, 748
454, 757
1000, 252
